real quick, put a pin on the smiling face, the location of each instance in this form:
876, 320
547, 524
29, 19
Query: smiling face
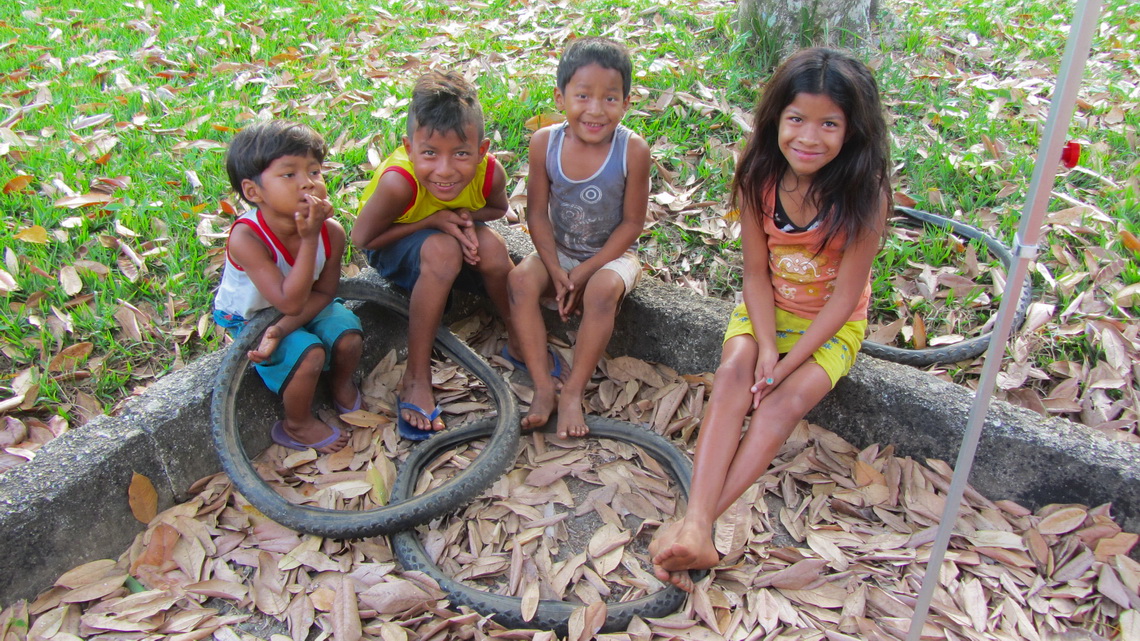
282, 187
442, 162
595, 102
812, 131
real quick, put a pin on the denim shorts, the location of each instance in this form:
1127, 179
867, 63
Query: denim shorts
399, 263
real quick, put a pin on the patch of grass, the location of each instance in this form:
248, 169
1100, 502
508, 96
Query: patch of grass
153, 91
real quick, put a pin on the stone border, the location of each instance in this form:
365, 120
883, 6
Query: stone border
69, 505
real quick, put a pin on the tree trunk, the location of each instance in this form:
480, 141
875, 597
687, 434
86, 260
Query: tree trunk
779, 27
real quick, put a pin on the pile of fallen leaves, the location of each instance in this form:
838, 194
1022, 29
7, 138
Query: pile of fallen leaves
829, 544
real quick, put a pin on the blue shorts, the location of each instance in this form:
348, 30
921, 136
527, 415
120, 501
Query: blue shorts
324, 330
399, 263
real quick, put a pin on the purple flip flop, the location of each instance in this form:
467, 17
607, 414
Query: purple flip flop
281, 437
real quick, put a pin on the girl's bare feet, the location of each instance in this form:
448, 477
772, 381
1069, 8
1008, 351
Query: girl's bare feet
690, 549
663, 540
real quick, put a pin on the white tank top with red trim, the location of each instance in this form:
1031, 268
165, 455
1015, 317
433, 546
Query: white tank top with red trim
237, 294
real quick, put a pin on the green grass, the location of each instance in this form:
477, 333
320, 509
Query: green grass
153, 92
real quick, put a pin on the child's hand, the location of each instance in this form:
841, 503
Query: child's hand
472, 257
578, 278
458, 224
765, 376
311, 216
269, 342
564, 293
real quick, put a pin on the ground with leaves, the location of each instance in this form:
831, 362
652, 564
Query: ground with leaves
828, 545
114, 204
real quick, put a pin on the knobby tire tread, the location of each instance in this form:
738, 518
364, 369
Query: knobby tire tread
398, 514
550, 615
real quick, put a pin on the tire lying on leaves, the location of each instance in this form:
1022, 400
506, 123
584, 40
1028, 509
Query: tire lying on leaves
406, 512
550, 615
967, 349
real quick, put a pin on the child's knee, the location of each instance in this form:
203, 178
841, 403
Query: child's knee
441, 257
349, 344
522, 285
311, 364
603, 293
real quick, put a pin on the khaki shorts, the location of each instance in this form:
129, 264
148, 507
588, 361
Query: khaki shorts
626, 266
835, 356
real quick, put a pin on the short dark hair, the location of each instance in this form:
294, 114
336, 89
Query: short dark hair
445, 101
603, 52
255, 147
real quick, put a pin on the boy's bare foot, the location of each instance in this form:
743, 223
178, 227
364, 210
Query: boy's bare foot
419, 394
269, 342
540, 408
310, 433
691, 549
571, 420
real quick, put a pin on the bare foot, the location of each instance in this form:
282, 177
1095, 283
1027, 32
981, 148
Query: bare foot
663, 540
691, 549
540, 408
418, 393
269, 342
313, 431
571, 421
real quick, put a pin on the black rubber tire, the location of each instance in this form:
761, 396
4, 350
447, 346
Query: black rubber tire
550, 615
967, 349
399, 514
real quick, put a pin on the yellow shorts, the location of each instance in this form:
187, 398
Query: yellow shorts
836, 356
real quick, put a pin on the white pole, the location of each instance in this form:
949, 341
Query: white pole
1025, 249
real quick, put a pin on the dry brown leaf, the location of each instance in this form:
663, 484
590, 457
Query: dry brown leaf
34, 234
84, 200
87, 573
143, 498
1062, 521
344, 615
802, 575
17, 184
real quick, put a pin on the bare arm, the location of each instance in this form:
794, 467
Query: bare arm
850, 282
287, 293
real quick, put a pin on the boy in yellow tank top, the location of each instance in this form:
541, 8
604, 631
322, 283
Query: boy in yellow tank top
423, 227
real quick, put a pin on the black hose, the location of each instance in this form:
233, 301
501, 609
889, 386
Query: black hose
967, 349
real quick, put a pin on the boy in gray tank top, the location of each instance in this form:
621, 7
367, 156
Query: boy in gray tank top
587, 195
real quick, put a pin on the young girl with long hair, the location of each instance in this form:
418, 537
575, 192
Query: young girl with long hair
813, 190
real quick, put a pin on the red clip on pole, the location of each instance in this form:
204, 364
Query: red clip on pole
1071, 154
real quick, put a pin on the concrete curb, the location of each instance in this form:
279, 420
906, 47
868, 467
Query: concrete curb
69, 505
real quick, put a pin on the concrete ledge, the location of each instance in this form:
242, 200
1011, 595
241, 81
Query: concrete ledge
69, 505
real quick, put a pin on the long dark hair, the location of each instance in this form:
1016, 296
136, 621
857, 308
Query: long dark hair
850, 189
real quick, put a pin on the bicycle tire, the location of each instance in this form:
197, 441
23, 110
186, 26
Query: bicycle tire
397, 515
967, 349
550, 615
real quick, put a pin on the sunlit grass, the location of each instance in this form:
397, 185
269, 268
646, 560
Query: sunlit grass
153, 91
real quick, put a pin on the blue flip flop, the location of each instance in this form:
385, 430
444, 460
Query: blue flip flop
281, 437
409, 431
519, 365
